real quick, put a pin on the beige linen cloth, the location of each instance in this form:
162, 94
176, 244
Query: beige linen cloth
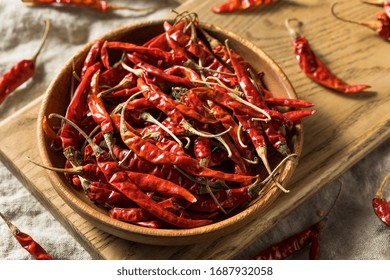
353, 232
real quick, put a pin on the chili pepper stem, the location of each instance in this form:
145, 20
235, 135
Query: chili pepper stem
78, 170
11, 226
97, 150
44, 37
294, 34
149, 118
379, 193
254, 188
374, 25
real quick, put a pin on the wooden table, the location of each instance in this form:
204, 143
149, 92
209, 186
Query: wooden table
344, 129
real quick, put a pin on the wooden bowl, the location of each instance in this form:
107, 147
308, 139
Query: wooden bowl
56, 100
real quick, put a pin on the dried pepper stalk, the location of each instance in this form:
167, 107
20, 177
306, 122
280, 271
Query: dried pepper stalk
21, 71
240, 5
314, 68
27, 242
379, 203
381, 26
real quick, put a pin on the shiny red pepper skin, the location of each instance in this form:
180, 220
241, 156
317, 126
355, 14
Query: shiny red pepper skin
293, 244
380, 205
15, 77
384, 30
92, 54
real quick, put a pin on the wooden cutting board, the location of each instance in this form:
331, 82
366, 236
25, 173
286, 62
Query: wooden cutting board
344, 129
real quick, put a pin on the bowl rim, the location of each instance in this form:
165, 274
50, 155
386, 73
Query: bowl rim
98, 218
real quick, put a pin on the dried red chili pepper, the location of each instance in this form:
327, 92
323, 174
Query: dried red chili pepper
92, 54
29, 244
293, 244
99, 112
240, 5
379, 203
77, 107
99, 5
381, 26
315, 69
309, 236
22, 71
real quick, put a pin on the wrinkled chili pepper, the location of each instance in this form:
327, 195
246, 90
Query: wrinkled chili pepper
92, 54
295, 243
309, 236
29, 244
240, 5
99, 5
22, 71
381, 26
379, 203
315, 69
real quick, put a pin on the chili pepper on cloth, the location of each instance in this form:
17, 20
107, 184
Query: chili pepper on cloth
315, 69
240, 5
309, 236
27, 242
381, 26
379, 203
21, 71
99, 5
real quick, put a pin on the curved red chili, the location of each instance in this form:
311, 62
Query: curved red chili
22, 71
379, 203
29, 244
315, 69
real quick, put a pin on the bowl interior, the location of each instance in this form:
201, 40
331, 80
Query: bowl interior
56, 100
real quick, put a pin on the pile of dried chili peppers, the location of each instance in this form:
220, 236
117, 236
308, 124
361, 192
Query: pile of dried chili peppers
314, 68
170, 134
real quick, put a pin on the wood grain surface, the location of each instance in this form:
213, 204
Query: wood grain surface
344, 129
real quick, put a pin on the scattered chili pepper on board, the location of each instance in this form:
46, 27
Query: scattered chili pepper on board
314, 68
379, 203
27, 242
240, 5
22, 71
381, 25
309, 236
99, 5
177, 118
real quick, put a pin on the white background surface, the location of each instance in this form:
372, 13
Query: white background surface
353, 231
